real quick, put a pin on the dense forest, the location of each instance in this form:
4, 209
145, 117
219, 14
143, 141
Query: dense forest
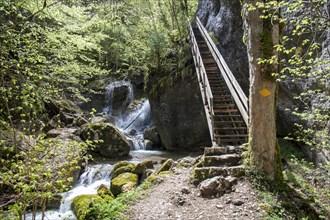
58, 55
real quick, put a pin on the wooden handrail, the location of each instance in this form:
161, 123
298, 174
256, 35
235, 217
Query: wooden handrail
204, 84
234, 88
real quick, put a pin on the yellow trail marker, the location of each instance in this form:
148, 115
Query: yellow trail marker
265, 92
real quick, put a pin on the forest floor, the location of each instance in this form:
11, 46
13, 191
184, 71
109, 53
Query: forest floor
174, 197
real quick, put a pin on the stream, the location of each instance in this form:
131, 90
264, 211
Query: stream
132, 117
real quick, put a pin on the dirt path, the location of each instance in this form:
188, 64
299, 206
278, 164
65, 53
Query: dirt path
176, 198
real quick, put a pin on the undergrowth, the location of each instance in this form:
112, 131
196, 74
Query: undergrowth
113, 209
305, 193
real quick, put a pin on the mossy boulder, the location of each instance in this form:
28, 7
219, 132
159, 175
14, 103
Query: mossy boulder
123, 183
166, 166
104, 192
81, 204
109, 142
122, 167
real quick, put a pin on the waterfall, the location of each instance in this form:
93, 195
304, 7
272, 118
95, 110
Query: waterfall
118, 96
131, 116
88, 183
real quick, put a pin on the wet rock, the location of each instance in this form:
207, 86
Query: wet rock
148, 145
216, 186
123, 183
108, 140
152, 135
120, 95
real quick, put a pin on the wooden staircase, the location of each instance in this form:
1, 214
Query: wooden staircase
225, 103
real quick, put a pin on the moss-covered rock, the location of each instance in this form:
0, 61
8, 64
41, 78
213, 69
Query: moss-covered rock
105, 192
123, 183
149, 164
140, 169
80, 205
108, 140
125, 167
166, 166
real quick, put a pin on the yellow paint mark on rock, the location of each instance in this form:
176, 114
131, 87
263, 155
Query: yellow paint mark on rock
265, 92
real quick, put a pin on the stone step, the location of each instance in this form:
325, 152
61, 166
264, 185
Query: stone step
203, 173
217, 151
222, 160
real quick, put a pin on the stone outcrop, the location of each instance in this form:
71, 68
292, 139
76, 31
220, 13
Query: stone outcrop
109, 142
179, 116
223, 18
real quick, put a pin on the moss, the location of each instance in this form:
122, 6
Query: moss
81, 204
140, 169
123, 181
167, 165
130, 168
105, 192
279, 170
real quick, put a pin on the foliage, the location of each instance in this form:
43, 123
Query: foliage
113, 209
305, 26
40, 173
305, 194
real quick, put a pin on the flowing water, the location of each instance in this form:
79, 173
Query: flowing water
132, 117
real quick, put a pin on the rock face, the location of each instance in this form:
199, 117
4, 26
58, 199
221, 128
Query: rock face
179, 116
223, 18
111, 143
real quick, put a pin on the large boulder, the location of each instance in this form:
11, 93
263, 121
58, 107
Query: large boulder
81, 204
124, 183
179, 116
108, 140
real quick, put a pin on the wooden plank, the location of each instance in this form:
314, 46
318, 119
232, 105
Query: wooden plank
235, 89
204, 85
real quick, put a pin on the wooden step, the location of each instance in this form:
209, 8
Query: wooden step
223, 106
230, 129
218, 117
221, 110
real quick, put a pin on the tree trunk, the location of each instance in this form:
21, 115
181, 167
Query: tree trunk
262, 34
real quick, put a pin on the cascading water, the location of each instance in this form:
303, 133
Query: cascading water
132, 117
88, 183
